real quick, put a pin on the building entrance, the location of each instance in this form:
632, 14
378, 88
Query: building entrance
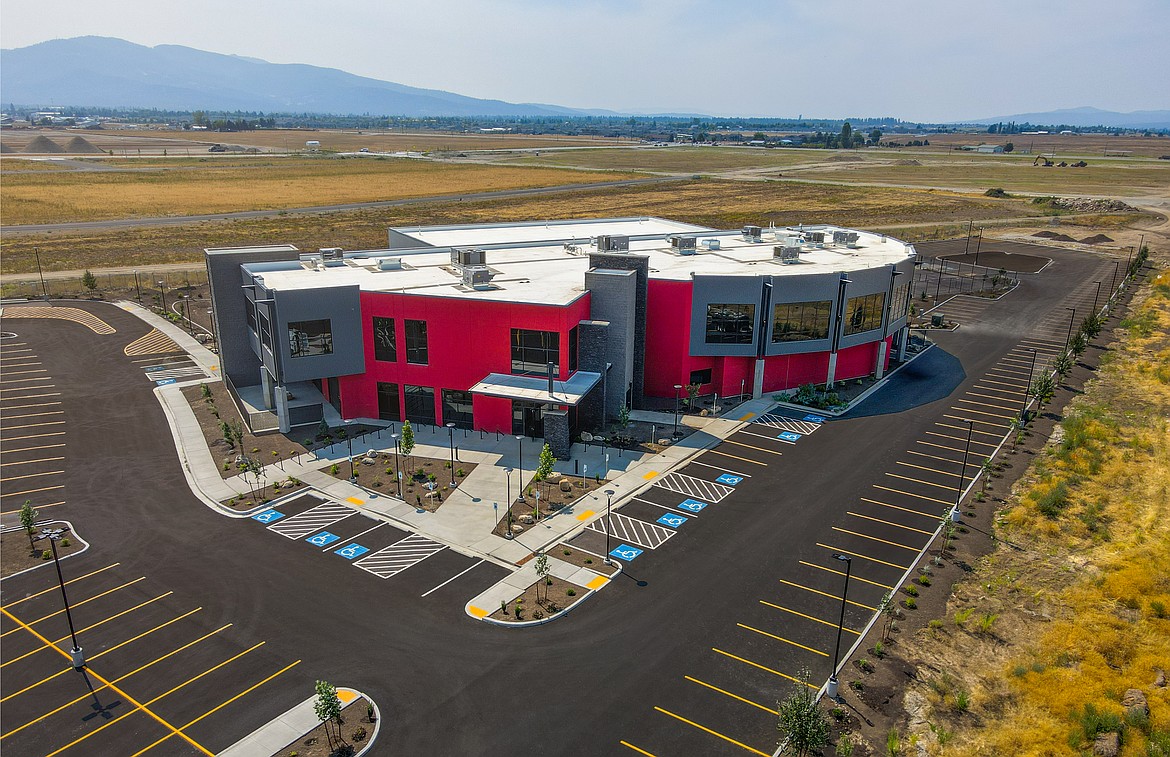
528, 418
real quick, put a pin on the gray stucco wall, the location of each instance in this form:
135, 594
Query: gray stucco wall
592, 338
341, 306
640, 265
613, 295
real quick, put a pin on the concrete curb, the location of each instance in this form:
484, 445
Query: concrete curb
72, 531
556, 616
262, 741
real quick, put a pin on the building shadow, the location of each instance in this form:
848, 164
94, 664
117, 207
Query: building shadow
932, 377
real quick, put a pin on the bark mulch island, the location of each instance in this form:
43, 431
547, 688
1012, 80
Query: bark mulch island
555, 494
16, 554
539, 601
264, 494
356, 728
570, 554
426, 481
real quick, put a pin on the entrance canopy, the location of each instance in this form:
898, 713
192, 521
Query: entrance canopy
535, 388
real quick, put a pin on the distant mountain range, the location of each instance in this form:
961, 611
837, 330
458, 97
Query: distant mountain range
109, 72
1139, 119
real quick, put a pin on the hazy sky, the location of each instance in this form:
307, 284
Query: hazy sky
928, 61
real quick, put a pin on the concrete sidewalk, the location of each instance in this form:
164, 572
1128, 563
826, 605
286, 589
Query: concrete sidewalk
285, 730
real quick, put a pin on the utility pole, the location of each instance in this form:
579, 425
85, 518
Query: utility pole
41, 273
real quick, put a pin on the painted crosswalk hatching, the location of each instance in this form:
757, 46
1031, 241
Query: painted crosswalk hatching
632, 530
399, 556
694, 487
311, 521
180, 372
787, 424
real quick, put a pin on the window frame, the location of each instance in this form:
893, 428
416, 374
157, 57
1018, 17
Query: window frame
294, 341
809, 316
737, 337
378, 326
871, 306
413, 350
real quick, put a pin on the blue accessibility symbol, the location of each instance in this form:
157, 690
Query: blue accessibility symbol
729, 479
814, 418
693, 505
674, 521
351, 551
625, 552
788, 436
164, 382
323, 539
268, 516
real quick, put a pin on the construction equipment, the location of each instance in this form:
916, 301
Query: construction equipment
1079, 164
1046, 162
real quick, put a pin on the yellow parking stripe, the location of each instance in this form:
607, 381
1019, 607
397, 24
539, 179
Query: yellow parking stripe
923, 467
825, 594
978, 403
940, 446
948, 487
35, 425
959, 438
992, 396
76, 604
916, 496
25, 407
154, 343
806, 617
872, 538
1018, 387
781, 638
934, 457
733, 696
32, 491
30, 396
34, 415
983, 412
39, 508
852, 576
887, 522
246, 691
15, 602
762, 667
18, 373
932, 516
637, 749
38, 460
77, 315
736, 457
1000, 425
713, 733
749, 446
32, 475
31, 449
861, 556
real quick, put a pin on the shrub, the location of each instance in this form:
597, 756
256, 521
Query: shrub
1157, 608
588, 560
962, 616
255, 450
460, 472
206, 390
935, 624
912, 590
359, 733
857, 685
46, 555
1091, 722
568, 552
571, 592
924, 580
911, 604
962, 701
865, 665
65, 542
333, 469
986, 621
1020, 671
879, 650
844, 746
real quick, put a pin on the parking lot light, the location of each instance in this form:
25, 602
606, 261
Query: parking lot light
162, 290
1071, 318
397, 470
520, 468
349, 446
76, 652
451, 438
608, 506
831, 690
962, 474
677, 389
1028, 388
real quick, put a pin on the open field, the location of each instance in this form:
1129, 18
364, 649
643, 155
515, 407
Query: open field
674, 159
1064, 145
135, 142
56, 196
721, 204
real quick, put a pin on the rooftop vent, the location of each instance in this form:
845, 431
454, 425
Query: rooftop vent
462, 257
683, 244
331, 253
752, 233
477, 277
816, 238
613, 243
711, 244
389, 264
786, 253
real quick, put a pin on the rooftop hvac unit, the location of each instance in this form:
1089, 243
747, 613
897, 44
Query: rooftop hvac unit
752, 233
815, 237
331, 253
711, 244
839, 237
683, 244
613, 243
786, 254
851, 238
467, 256
389, 264
477, 276
309, 257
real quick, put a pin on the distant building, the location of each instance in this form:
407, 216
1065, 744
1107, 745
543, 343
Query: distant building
989, 148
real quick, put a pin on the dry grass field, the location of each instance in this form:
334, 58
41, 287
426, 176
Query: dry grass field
1064, 145
721, 204
683, 160
59, 196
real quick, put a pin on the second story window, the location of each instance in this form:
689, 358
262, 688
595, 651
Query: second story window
307, 338
385, 342
416, 342
532, 351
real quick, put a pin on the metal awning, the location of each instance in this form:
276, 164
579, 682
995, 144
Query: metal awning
535, 388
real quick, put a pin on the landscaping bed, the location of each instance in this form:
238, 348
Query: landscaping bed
528, 510
16, 555
354, 723
560, 595
379, 473
265, 494
570, 554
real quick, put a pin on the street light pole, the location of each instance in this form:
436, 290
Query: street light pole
978, 244
1071, 318
1113, 280
349, 446
1095, 296
162, 290
608, 506
519, 466
962, 474
76, 652
138, 286
187, 308
397, 470
831, 691
451, 437
1028, 388
44, 289
677, 389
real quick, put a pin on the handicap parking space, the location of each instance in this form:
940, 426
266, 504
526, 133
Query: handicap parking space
682, 482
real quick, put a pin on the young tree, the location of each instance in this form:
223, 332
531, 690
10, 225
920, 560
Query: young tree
407, 442
693, 395
1043, 388
846, 135
623, 420
542, 571
986, 469
28, 520
875, 136
228, 433
328, 710
804, 727
889, 610
544, 467
1062, 364
254, 468
89, 281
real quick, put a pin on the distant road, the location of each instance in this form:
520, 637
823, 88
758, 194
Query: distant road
130, 223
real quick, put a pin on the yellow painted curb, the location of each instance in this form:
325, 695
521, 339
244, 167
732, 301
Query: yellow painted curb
477, 612
748, 417
355, 501
346, 695
650, 475
597, 583
585, 515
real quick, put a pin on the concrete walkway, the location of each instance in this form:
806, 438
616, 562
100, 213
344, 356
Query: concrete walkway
284, 731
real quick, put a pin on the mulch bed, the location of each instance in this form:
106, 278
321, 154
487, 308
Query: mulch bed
219, 408
532, 608
16, 556
552, 500
381, 476
264, 495
581, 558
315, 743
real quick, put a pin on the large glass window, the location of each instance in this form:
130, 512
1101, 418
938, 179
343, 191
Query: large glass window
900, 304
573, 332
457, 408
385, 342
420, 403
700, 377
265, 331
416, 342
731, 323
798, 321
532, 351
388, 407
307, 338
864, 313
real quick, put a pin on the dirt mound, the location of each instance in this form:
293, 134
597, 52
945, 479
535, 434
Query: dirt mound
43, 144
81, 146
5, 148
1096, 239
846, 159
1054, 236
907, 162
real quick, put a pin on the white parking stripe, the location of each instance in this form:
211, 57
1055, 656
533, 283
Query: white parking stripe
312, 520
392, 560
787, 424
664, 507
351, 538
690, 486
720, 468
452, 578
633, 531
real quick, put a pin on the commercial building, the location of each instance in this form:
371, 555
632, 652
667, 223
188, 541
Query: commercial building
548, 329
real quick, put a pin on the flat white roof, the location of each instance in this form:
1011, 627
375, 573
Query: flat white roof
554, 273
473, 235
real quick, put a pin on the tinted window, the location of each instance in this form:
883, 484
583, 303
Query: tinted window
388, 406
385, 342
307, 338
700, 377
798, 321
416, 342
457, 408
420, 403
864, 313
532, 351
730, 323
